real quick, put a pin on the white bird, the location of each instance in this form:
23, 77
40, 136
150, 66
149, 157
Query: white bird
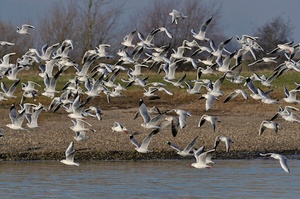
268, 124
80, 136
119, 127
209, 100
201, 34
33, 117
143, 147
78, 125
203, 159
24, 29
70, 153
291, 96
127, 40
224, 139
186, 150
209, 118
266, 60
266, 98
282, 160
176, 15
183, 114
3, 43
9, 92
16, 118
235, 93
149, 123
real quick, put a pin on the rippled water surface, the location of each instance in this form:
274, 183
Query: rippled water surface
261, 178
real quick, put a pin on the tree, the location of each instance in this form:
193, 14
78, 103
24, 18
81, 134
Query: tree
87, 23
276, 31
157, 16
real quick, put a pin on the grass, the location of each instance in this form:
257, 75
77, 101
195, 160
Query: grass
133, 93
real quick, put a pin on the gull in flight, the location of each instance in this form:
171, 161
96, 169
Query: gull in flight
186, 150
176, 15
16, 118
3, 43
70, 153
203, 159
24, 29
201, 34
149, 123
224, 139
118, 127
143, 147
235, 93
282, 160
209, 118
268, 124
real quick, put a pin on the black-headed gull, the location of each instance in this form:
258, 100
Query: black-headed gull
224, 139
70, 153
16, 118
282, 160
186, 150
119, 127
175, 14
209, 118
24, 29
149, 123
143, 147
203, 159
268, 124
201, 34
235, 93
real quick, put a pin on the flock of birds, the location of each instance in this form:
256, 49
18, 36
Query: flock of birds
93, 76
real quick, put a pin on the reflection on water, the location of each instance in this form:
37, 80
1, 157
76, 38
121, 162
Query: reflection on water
150, 179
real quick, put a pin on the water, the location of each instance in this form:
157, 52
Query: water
262, 178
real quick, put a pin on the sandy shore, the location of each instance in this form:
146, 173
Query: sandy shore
238, 121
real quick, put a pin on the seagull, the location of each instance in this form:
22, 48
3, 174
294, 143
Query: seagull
186, 150
268, 124
70, 153
224, 139
176, 15
182, 116
9, 92
287, 114
80, 136
203, 159
265, 60
149, 123
24, 29
209, 118
119, 127
3, 43
143, 148
290, 96
201, 34
266, 98
16, 118
127, 40
282, 160
235, 93
78, 125
33, 117
209, 100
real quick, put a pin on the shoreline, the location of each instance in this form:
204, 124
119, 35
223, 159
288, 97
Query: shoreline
133, 156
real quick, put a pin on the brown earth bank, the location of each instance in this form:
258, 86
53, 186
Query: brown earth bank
240, 120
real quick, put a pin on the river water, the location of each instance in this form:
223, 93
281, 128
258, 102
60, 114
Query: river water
259, 178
